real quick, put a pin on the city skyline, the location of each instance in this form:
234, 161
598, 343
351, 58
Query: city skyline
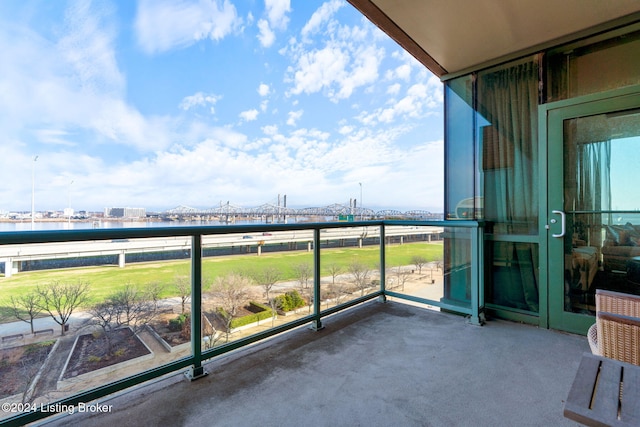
160, 104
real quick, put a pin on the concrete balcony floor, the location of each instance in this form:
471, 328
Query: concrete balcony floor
378, 364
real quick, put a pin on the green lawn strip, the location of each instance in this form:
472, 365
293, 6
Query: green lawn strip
106, 280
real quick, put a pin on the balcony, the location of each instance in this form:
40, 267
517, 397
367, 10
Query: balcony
373, 354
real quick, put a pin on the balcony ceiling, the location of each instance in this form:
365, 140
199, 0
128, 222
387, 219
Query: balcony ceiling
449, 36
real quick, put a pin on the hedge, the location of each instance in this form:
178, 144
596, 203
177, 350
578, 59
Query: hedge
263, 314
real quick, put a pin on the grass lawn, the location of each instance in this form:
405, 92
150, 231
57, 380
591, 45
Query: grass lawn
105, 280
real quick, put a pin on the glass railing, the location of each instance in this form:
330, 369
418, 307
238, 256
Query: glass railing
86, 313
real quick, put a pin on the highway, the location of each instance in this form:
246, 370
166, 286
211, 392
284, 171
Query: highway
13, 254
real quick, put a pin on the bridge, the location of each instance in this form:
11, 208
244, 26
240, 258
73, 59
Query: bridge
277, 211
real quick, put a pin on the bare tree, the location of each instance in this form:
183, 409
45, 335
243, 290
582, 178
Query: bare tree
304, 273
360, 273
334, 270
419, 262
210, 335
26, 308
402, 275
231, 293
267, 278
153, 292
183, 286
61, 300
275, 304
133, 307
127, 307
339, 289
106, 316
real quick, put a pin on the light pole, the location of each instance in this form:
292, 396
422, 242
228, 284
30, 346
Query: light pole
361, 205
33, 192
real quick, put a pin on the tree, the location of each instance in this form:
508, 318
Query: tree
154, 293
360, 273
267, 278
105, 315
275, 304
133, 307
231, 293
61, 300
210, 335
419, 262
402, 275
303, 273
334, 270
183, 286
26, 308
130, 307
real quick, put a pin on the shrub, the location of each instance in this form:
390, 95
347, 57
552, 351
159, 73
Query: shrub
290, 301
94, 359
176, 325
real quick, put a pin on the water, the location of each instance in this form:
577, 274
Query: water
104, 224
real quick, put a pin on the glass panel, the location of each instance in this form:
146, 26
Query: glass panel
459, 155
257, 281
69, 324
415, 261
350, 264
602, 204
580, 71
508, 142
457, 266
512, 276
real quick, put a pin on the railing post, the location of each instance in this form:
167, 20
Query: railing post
383, 263
477, 276
196, 371
316, 324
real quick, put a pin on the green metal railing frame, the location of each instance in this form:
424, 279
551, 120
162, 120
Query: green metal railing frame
475, 310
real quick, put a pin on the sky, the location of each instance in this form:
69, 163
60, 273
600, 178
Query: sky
156, 104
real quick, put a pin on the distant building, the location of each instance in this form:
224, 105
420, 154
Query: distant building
125, 212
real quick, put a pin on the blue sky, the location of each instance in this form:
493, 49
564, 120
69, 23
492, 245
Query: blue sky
156, 104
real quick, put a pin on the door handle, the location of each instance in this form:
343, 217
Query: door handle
563, 223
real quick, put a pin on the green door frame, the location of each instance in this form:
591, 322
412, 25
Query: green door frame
551, 118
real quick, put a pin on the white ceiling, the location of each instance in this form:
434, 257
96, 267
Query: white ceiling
460, 34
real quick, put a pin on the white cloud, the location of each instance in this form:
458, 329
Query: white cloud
266, 35
88, 48
162, 25
393, 89
346, 60
277, 12
249, 115
420, 99
321, 16
294, 116
200, 99
54, 136
264, 89
270, 130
